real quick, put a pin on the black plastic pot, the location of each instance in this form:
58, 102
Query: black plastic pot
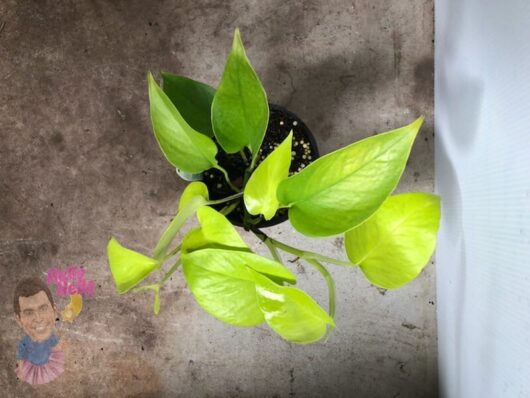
305, 149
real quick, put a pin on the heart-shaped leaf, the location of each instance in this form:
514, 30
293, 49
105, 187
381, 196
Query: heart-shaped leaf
342, 189
395, 244
215, 232
182, 146
223, 282
128, 267
240, 111
218, 229
291, 312
223, 286
260, 191
196, 188
192, 99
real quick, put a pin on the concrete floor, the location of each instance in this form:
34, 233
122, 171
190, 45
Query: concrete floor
78, 163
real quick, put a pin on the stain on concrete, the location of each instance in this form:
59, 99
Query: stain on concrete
339, 243
31, 251
396, 46
292, 393
409, 326
300, 269
424, 79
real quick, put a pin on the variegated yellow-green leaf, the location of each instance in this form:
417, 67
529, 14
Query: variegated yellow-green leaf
196, 188
182, 146
240, 111
342, 189
223, 282
128, 267
292, 313
215, 232
395, 244
260, 191
218, 229
223, 287
192, 99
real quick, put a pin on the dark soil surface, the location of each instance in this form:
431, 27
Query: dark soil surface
304, 151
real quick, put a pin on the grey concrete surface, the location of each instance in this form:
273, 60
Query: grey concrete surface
78, 163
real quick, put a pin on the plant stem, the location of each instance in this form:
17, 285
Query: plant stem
234, 188
253, 163
273, 250
228, 209
144, 288
305, 254
242, 153
170, 272
310, 258
227, 199
172, 253
331, 285
179, 220
174, 226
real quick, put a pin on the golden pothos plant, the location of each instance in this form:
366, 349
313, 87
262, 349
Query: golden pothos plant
348, 191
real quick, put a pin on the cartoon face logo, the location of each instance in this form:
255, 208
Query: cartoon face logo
37, 316
40, 358
40, 353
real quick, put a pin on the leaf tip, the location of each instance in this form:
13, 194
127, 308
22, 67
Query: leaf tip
112, 242
151, 83
238, 42
416, 124
150, 77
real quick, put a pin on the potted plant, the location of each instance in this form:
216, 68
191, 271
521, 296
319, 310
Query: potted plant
348, 191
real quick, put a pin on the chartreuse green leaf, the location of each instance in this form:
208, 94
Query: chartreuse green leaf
240, 111
196, 188
260, 191
192, 99
218, 229
194, 196
128, 267
183, 147
342, 189
292, 313
223, 282
215, 231
395, 244
226, 292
